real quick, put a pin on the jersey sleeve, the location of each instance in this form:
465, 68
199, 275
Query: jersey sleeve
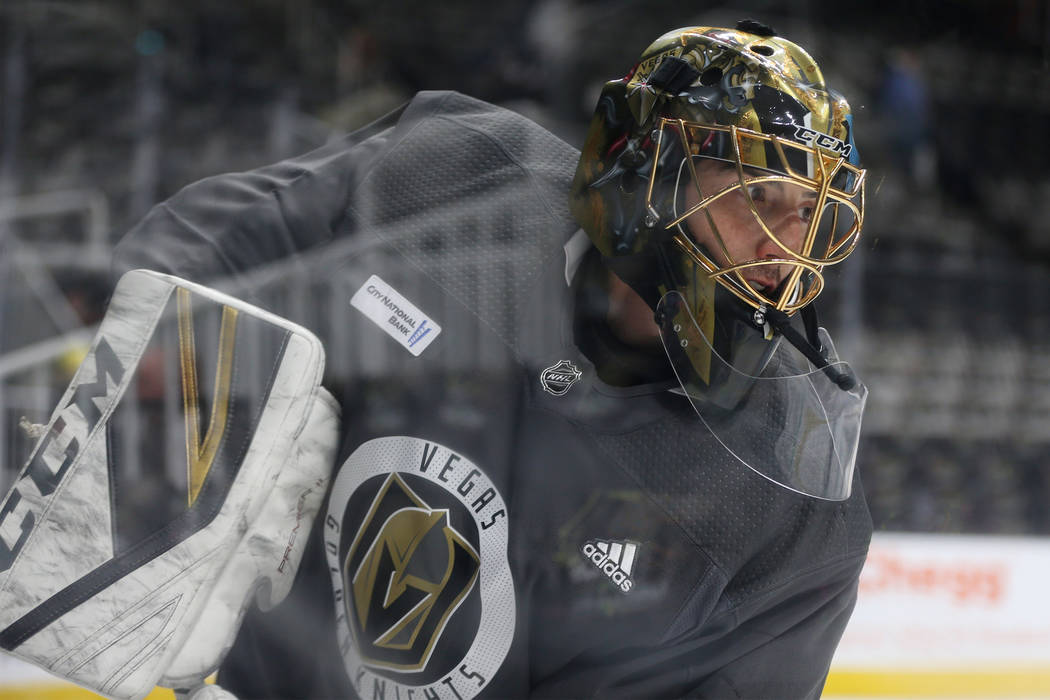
231, 223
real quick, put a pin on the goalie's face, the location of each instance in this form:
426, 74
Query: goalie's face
728, 228
760, 215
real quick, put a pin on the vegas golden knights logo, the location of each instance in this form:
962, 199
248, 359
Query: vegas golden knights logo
406, 573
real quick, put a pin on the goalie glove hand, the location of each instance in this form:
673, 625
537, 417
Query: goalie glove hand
116, 592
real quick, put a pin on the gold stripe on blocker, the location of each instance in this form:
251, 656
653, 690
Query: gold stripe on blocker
200, 455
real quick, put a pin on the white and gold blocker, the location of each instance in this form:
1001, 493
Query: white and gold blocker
177, 479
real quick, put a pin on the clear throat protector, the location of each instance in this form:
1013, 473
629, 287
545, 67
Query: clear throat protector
777, 413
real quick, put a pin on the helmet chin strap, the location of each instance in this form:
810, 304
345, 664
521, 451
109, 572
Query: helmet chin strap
810, 346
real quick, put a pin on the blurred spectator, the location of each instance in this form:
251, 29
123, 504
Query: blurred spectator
904, 101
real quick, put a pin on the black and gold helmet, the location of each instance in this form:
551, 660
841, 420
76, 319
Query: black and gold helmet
752, 100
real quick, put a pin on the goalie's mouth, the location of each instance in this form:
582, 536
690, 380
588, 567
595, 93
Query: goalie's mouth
764, 282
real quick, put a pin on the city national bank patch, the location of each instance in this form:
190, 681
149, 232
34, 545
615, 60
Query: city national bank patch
416, 541
397, 316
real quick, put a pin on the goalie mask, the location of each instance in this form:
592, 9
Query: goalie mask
718, 179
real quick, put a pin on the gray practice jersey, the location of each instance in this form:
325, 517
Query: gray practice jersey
502, 523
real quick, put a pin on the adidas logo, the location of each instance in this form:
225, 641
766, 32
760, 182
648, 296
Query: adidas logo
613, 558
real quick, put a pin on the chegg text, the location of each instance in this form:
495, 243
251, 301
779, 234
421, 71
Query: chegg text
961, 582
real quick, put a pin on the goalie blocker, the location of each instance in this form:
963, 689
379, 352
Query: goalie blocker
177, 478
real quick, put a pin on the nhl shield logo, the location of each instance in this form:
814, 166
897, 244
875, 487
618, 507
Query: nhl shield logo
558, 379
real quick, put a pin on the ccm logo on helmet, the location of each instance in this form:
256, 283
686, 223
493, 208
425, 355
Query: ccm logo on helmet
817, 138
47, 467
